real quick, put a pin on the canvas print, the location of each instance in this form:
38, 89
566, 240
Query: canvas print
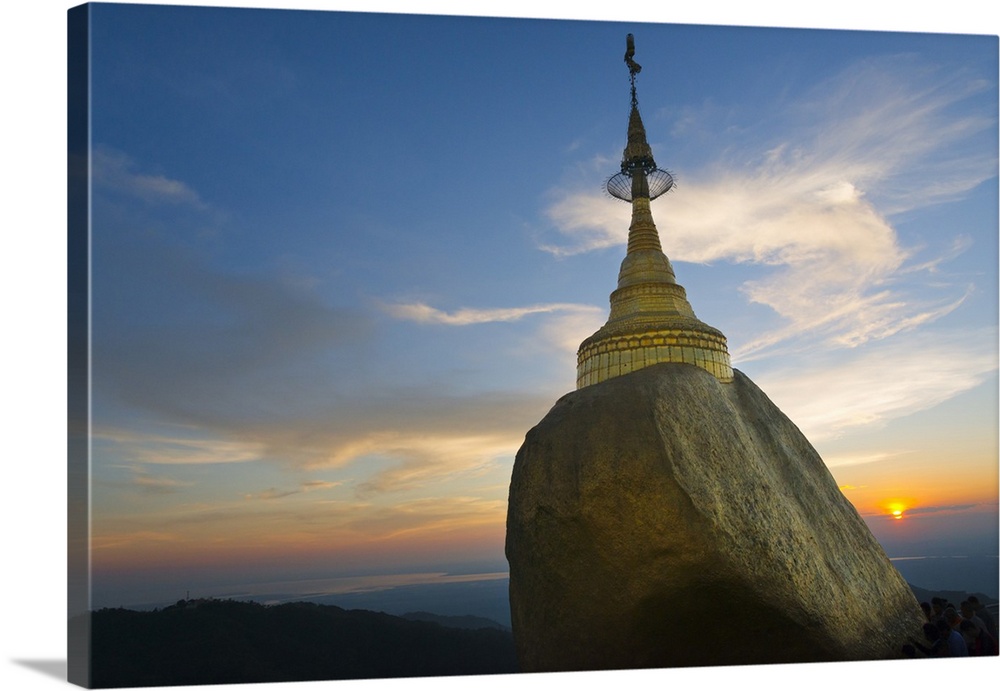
420, 346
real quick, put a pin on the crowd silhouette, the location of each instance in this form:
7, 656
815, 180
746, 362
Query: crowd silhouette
963, 631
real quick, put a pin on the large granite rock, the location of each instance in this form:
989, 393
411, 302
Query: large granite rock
663, 518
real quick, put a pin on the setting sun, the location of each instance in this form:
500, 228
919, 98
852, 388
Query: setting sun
895, 509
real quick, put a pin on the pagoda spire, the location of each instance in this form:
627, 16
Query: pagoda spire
651, 320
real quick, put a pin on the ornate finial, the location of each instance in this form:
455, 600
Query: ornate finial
639, 176
634, 68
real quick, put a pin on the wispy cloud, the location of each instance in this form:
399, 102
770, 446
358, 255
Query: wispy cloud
840, 460
115, 171
125, 539
274, 493
410, 443
398, 443
423, 460
426, 515
262, 531
587, 221
563, 327
158, 449
813, 210
311, 485
880, 383
565, 332
425, 314
156, 484
941, 509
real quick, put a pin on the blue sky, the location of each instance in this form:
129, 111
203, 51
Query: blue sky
343, 263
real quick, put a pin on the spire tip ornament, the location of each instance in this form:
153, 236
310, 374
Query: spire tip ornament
639, 176
634, 68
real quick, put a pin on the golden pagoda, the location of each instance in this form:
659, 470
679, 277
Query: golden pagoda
651, 320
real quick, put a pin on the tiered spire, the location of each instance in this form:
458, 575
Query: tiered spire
651, 319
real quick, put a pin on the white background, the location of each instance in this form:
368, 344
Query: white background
33, 257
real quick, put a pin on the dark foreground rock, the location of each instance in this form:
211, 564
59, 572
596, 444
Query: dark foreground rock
665, 519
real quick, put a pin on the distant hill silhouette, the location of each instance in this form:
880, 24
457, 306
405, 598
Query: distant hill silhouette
230, 642
467, 621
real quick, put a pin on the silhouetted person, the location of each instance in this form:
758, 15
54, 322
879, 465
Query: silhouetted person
978, 640
947, 629
937, 606
984, 614
969, 614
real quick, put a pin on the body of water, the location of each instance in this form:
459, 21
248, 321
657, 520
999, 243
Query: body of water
486, 594
977, 574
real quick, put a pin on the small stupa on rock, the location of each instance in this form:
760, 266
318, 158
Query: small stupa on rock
651, 319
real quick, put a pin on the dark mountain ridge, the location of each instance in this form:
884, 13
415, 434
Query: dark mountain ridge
230, 642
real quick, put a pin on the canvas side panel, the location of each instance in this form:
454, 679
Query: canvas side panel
78, 344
